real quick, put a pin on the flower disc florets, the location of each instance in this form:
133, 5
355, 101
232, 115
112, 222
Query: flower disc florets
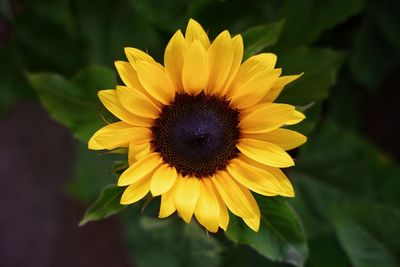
197, 134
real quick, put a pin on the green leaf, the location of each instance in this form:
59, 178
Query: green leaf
306, 20
93, 79
320, 67
326, 247
245, 256
366, 64
366, 239
258, 38
348, 162
165, 14
115, 25
92, 172
107, 204
168, 242
47, 37
281, 236
338, 166
74, 102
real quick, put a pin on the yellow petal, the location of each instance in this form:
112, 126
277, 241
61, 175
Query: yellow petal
163, 180
265, 153
221, 56
283, 181
118, 134
140, 169
251, 67
257, 63
207, 209
155, 81
174, 58
223, 212
194, 31
110, 100
137, 103
130, 78
167, 206
186, 194
137, 151
296, 117
254, 221
195, 69
277, 88
136, 191
232, 194
250, 92
237, 43
134, 54
257, 179
266, 117
118, 126
128, 74
286, 139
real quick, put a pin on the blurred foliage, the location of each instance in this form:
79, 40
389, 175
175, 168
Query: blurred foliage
259, 37
168, 242
281, 235
89, 166
376, 46
350, 171
106, 205
346, 188
74, 103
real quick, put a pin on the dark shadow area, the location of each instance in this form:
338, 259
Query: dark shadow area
39, 222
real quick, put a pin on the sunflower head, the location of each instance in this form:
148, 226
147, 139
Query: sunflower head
202, 130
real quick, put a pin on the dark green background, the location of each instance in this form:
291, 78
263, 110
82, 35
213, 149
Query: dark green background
58, 53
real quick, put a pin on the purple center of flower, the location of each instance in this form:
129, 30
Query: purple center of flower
197, 134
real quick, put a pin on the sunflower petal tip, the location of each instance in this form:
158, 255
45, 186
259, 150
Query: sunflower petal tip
191, 20
122, 181
192, 23
186, 219
253, 223
288, 193
226, 33
124, 200
178, 33
154, 192
100, 93
223, 227
238, 36
92, 144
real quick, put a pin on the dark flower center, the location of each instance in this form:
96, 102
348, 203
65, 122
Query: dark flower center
197, 134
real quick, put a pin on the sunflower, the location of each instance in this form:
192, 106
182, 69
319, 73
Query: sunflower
202, 130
